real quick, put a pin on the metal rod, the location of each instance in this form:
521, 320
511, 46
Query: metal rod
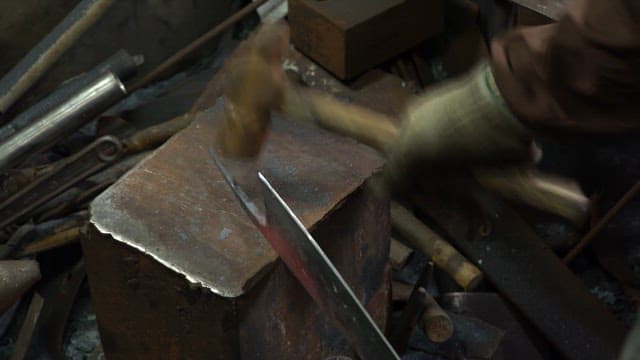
38, 61
593, 233
97, 97
196, 45
121, 64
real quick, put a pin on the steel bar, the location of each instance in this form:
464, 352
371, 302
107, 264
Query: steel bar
68, 116
121, 64
196, 45
40, 59
593, 233
90, 160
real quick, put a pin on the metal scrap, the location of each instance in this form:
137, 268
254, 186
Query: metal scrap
93, 158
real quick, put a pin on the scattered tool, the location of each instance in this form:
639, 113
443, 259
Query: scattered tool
306, 260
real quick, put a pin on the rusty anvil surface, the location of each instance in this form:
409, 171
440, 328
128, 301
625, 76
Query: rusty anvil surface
178, 209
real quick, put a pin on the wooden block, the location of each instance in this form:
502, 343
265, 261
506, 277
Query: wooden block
350, 37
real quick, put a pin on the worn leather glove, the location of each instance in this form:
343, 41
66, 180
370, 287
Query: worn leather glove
461, 124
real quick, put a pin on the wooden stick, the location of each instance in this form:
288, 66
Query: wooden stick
399, 254
400, 291
445, 256
436, 322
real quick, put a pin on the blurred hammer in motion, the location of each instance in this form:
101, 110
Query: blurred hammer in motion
257, 85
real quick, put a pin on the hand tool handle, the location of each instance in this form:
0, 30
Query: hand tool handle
357, 122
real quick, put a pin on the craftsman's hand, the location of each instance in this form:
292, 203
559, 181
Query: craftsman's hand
461, 124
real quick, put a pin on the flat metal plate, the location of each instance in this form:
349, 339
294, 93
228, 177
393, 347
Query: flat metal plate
176, 207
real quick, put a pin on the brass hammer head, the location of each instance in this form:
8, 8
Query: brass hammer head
254, 86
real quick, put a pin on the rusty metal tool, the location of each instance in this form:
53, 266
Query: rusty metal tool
309, 264
40, 59
606, 219
90, 160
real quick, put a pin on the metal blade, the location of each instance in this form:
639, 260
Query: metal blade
306, 260
310, 265
257, 216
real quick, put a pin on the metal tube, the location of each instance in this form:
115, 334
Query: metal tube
65, 118
49, 50
121, 64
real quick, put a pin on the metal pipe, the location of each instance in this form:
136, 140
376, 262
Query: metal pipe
120, 64
67, 117
38, 61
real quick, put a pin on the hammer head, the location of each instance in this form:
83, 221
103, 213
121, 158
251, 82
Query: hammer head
254, 86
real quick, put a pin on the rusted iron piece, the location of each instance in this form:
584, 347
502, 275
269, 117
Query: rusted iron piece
75, 168
311, 266
29, 327
529, 274
16, 277
489, 307
159, 208
350, 38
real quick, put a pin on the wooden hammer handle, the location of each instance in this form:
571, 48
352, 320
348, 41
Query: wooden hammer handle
367, 126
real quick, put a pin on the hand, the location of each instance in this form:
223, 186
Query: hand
461, 124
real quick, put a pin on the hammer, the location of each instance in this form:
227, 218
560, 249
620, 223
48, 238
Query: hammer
257, 85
